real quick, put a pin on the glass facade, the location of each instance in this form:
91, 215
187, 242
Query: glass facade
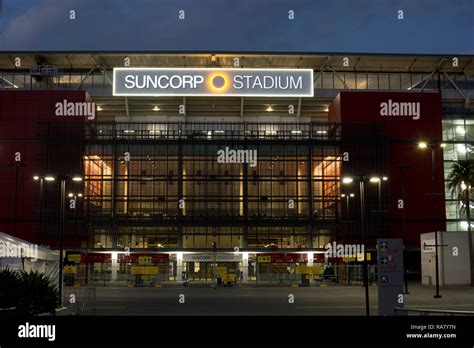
145, 188
458, 134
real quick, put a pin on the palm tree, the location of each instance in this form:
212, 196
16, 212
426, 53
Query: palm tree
461, 183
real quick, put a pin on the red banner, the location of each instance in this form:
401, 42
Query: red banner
135, 258
286, 258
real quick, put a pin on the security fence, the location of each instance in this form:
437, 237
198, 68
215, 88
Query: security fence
262, 274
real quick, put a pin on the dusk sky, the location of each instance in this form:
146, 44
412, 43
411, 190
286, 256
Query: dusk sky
352, 26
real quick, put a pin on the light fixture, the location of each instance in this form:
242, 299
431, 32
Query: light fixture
156, 108
461, 148
374, 179
460, 130
347, 180
269, 109
422, 145
352, 195
321, 132
343, 195
295, 132
326, 109
77, 178
99, 108
384, 178
443, 145
213, 58
49, 178
79, 194
36, 177
70, 195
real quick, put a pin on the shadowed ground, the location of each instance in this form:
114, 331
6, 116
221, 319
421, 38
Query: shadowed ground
315, 300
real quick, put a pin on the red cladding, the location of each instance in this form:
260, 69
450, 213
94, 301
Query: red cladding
409, 118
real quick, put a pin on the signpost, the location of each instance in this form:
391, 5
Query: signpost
390, 275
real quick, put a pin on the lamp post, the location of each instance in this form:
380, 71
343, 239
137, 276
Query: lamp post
62, 201
404, 224
378, 181
74, 197
361, 180
433, 146
347, 196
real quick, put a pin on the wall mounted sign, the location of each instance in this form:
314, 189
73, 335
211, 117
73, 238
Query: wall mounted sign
210, 257
156, 82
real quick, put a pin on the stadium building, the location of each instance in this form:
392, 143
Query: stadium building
188, 162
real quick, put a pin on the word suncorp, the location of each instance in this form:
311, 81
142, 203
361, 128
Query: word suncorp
195, 81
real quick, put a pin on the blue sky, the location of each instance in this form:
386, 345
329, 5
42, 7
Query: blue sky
339, 26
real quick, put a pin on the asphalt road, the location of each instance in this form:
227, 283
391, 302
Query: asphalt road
315, 300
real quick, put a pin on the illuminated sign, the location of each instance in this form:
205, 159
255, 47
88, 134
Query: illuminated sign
157, 82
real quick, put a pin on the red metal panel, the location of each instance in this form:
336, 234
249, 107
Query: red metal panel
404, 133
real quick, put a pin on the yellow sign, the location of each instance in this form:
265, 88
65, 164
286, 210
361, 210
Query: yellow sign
144, 260
318, 269
74, 257
264, 258
143, 270
309, 269
220, 270
69, 269
360, 257
229, 278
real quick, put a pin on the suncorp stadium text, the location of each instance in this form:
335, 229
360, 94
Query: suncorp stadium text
194, 81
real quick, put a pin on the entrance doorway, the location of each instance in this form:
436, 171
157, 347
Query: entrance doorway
208, 272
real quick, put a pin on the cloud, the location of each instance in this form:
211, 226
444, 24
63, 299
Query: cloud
245, 25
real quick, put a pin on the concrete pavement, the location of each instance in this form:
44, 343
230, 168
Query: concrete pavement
268, 300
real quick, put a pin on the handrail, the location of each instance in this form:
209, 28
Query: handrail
434, 311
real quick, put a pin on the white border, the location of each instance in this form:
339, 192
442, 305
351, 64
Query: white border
311, 71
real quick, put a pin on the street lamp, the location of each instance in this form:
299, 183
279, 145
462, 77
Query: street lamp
365, 275
72, 205
377, 180
433, 146
347, 196
62, 178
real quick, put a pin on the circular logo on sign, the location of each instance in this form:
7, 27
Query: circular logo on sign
218, 82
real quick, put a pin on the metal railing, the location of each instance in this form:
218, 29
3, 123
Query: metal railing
213, 131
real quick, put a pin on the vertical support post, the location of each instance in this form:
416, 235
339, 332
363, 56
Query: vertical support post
309, 170
245, 266
365, 274
180, 194
179, 266
435, 206
114, 266
62, 202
